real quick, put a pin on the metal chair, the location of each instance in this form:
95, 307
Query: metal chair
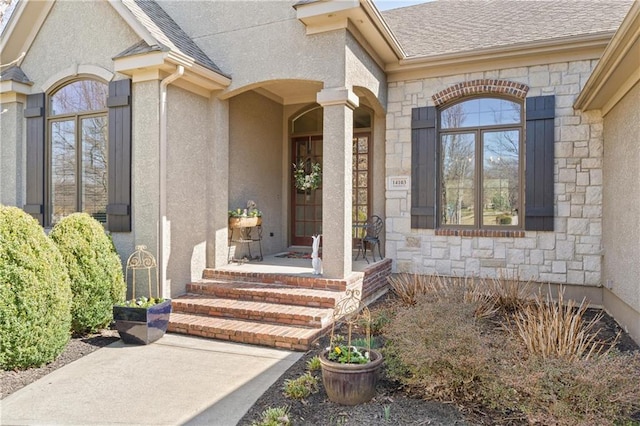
373, 228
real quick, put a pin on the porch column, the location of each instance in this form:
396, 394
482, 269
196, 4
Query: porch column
218, 182
338, 104
12, 173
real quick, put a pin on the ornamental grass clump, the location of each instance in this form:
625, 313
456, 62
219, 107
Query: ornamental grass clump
555, 329
97, 281
35, 294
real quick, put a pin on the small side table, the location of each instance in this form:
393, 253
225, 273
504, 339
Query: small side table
245, 230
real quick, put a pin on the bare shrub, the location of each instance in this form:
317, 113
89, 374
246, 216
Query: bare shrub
439, 349
601, 391
557, 330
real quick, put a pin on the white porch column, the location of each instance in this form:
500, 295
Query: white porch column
338, 105
217, 243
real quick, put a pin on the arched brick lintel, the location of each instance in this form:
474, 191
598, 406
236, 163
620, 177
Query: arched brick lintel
480, 87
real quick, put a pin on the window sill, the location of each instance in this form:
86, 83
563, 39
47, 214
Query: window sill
495, 233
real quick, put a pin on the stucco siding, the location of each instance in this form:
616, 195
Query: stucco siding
361, 70
188, 163
68, 38
12, 155
572, 253
264, 46
621, 233
255, 164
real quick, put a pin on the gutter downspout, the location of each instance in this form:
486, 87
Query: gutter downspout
162, 184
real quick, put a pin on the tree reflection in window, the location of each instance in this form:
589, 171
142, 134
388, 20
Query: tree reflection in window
78, 135
480, 156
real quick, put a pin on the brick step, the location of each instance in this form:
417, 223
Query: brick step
273, 335
302, 281
261, 292
254, 311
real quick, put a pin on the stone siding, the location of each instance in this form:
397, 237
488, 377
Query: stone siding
571, 254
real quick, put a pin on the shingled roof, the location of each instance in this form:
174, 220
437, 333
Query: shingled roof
166, 31
448, 26
14, 73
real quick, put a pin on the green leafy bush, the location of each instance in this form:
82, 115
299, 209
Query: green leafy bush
35, 295
301, 387
97, 282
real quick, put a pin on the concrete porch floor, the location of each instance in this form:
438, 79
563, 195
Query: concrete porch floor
272, 264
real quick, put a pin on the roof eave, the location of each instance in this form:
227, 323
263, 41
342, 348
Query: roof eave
575, 47
330, 15
618, 70
23, 27
201, 79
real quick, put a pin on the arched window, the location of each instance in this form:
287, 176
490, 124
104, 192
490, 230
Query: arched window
77, 150
480, 163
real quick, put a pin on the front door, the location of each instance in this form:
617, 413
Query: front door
307, 204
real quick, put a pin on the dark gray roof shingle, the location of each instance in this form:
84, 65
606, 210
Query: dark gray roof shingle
447, 26
166, 31
14, 73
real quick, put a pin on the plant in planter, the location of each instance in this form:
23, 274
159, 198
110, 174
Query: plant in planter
349, 372
244, 218
142, 320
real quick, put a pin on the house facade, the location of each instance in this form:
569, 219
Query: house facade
486, 150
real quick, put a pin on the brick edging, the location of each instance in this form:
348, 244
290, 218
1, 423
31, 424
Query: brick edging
483, 86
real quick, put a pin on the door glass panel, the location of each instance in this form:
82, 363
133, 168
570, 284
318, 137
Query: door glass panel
360, 180
308, 204
458, 170
94, 167
63, 169
500, 177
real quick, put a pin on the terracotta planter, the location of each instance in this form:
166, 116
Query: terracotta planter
244, 222
141, 326
351, 384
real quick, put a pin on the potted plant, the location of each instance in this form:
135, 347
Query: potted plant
350, 373
245, 218
142, 320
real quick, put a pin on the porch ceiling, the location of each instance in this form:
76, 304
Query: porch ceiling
290, 92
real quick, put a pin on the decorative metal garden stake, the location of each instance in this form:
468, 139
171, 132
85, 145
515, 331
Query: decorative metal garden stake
142, 259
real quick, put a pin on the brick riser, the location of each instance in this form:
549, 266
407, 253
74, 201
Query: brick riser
292, 280
253, 311
275, 310
272, 293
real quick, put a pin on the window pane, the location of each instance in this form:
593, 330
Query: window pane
361, 118
310, 121
458, 169
480, 112
63, 169
94, 167
79, 96
501, 177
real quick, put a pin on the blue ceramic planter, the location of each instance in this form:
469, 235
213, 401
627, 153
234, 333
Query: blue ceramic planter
141, 326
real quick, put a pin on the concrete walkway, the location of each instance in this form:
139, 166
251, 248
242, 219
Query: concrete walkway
174, 381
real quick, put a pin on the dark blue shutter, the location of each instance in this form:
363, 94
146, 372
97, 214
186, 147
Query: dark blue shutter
35, 115
423, 167
539, 199
119, 163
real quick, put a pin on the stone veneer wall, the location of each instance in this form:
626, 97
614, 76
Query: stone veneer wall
572, 253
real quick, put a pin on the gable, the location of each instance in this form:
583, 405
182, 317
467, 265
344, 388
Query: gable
72, 34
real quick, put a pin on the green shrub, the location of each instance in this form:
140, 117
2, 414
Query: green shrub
274, 416
301, 387
97, 282
35, 295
